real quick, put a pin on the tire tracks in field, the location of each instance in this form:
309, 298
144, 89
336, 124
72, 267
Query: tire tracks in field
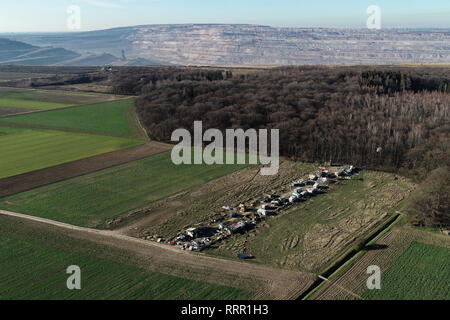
323, 278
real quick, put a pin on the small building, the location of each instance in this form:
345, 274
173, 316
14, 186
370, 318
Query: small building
348, 169
275, 203
191, 232
197, 232
300, 183
235, 227
340, 172
246, 209
311, 190
262, 212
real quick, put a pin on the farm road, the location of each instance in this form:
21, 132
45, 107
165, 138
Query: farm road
275, 283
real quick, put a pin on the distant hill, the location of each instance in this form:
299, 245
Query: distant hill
14, 46
19, 53
230, 44
11, 49
91, 60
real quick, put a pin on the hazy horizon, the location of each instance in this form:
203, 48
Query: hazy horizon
243, 24
50, 16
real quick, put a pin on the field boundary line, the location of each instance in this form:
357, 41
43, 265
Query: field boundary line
72, 169
109, 233
68, 130
279, 283
64, 108
135, 123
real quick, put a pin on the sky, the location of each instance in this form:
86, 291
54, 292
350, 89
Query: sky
52, 15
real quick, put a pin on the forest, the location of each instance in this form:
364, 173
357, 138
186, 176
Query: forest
384, 118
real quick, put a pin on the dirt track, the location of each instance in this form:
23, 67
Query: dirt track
38, 178
5, 111
276, 284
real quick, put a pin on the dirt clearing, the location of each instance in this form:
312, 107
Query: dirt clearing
203, 204
308, 236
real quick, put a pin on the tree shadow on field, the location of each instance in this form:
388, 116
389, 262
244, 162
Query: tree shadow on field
373, 247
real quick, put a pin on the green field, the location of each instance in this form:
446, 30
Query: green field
422, 272
93, 199
36, 99
24, 150
35, 271
30, 104
106, 118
